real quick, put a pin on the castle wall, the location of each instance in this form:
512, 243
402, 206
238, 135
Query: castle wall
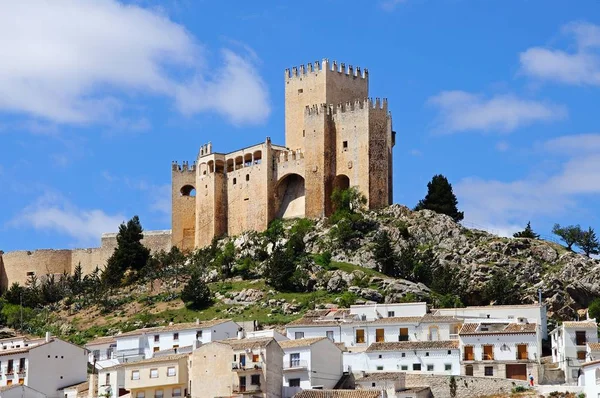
15, 266
318, 83
380, 156
183, 206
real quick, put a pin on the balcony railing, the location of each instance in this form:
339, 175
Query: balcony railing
246, 388
402, 337
295, 364
247, 366
453, 336
132, 352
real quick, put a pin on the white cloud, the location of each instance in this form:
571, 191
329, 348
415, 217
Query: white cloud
581, 67
71, 61
390, 5
52, 212
502, 146
462, 111
493, 202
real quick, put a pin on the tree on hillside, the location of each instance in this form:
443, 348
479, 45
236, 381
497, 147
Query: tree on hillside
441, 199
502, 289
570, 234
594, 309
195, 293
527, 232
129, 254
384, 254
588, 242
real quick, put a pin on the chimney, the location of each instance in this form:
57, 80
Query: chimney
240, 333
47, 337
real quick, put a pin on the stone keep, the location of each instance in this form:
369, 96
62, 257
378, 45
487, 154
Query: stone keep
336, 137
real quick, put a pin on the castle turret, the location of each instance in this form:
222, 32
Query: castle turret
183, 204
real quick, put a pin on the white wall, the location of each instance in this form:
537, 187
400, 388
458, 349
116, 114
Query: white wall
591, 381
326, 364
394, 361
505, 345
117, 380
305, 360
21, 392
374, 311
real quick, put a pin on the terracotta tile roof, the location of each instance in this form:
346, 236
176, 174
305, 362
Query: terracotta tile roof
430, 318
398, 319
511, 328
166, 358
22, 350
242, 344
379, 376
300, 342
594, 346
414, 345
341, 346
313, 320
590, 363
101, 340
338, 394
175, 327
581, 324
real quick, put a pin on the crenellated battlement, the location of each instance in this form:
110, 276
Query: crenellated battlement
342, 69
286, 156
184, 167
205, 149
351, 106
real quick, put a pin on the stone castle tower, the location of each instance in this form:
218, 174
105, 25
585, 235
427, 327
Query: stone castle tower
336, 137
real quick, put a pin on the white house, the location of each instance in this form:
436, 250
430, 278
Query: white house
370, 312
570, 346
433, 357
499, 349
591, 379
531, 313
392, 383
20, 391
102, 352
143, 343
46, 367
357, 333
111, 381
310, 363
78, 390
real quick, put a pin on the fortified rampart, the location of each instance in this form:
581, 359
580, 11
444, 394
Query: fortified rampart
18, 266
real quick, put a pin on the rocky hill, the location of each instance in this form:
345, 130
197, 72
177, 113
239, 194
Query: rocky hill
334, 263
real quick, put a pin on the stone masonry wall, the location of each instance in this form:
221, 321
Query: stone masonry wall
16, 266
467, 386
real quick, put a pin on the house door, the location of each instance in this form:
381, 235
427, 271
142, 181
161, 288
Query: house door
516, 371
243, 359
379, 335
403, 336
521, 351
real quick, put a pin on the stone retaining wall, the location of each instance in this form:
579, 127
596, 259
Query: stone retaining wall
467, 386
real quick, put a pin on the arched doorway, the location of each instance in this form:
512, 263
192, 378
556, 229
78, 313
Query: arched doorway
341, 182
290, 196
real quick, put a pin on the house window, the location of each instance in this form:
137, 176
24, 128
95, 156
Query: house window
175, 336
380, 368
303, 133
294, 382
416, 366
580, 338
380, 356
9, 382
430, 368
156, 349
107, 379
242, 383
21, 364
294, 360
360, 336
403, 336
581, 355
199, 334
247, 177
21, 381
469, 370
171, 371
234, 181
469, 355
373, 384
391, 314
404, 367
300, 90
135, 375
255, 358
379, 336
448, 366
403, 354
156, 338
140, 394
154, 373
488, 352
329, 335
298, 335
176, 392
426, 354
449, 352
159, 394
345, 146
255, 380
488, 371
10, 366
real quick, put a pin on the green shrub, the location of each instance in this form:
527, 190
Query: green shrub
347, 299
518, 389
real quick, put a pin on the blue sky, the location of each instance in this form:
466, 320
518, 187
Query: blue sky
98, 97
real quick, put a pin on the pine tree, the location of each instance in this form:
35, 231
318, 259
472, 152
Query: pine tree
195, 293
384, 254
441, 199
527, 232
129, 253
588, 242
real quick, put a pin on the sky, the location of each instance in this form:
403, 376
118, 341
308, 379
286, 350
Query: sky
98, 97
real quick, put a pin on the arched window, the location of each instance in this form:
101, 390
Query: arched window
188, 190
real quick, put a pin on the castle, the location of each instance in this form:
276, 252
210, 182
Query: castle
336, 137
